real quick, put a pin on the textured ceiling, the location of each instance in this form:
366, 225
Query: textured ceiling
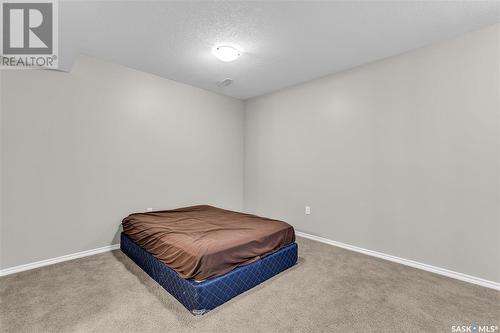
284, 43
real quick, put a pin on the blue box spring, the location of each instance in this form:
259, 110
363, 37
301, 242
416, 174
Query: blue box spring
201, 297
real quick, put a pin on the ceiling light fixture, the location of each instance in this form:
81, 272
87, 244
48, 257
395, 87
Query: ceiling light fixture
226, 53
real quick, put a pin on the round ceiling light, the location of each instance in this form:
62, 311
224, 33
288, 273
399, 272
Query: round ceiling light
226, 53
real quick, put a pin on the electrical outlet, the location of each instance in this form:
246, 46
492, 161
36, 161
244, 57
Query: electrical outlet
308, 210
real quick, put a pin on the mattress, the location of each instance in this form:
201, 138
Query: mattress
202, 297
203, 242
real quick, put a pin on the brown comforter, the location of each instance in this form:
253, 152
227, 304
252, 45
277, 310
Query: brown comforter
202, 242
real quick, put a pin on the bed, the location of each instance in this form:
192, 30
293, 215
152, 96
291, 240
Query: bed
204, 256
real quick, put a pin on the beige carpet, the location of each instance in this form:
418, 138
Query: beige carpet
330, 290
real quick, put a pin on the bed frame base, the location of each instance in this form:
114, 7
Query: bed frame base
201, 297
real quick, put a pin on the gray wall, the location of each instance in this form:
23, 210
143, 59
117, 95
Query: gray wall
81, 150
1, 167
400, 156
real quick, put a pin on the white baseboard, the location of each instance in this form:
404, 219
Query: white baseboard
25, 267
407, 262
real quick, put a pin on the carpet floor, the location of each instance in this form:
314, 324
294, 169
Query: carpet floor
329, 290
